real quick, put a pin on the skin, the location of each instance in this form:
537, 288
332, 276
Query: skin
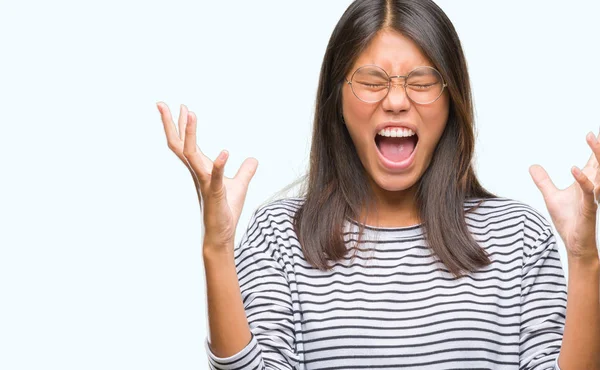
395, 190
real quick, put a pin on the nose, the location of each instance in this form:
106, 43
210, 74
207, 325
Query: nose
396, 99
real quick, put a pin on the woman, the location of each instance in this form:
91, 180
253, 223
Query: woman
393, 255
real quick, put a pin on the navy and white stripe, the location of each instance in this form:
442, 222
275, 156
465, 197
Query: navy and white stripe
394, 306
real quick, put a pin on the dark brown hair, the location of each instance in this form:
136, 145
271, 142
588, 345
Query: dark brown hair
337, 186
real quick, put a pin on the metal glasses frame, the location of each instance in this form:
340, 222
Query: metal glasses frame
444, 84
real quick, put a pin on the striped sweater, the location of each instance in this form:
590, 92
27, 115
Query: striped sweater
394, 306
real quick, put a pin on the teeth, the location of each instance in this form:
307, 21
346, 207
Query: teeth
396, 132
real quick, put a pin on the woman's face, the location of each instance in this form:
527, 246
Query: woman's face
397, 55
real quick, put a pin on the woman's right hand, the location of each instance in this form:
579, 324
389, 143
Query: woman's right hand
221, 198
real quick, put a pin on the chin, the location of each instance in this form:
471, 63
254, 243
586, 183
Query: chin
394, 182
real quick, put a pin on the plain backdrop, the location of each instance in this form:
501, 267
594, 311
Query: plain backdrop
100, 229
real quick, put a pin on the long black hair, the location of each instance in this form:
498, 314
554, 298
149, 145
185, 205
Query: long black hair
337, 188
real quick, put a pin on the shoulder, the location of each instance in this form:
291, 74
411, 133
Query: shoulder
270, 228
507, 226
276, 214
265, 250
507, 222
506, 211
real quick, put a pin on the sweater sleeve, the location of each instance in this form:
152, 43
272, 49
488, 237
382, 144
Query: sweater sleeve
267, 299
556, 364
543, 304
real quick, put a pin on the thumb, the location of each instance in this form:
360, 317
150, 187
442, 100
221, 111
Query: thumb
542, 180
247, 170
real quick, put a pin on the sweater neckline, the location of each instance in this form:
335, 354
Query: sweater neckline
352, 226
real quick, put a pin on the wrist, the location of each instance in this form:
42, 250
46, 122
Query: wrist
583, 262
214, 251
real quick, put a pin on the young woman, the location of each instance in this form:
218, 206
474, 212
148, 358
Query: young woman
393, 255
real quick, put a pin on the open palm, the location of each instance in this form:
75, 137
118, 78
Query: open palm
573, 210
221, 198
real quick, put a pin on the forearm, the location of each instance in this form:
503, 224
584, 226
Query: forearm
581, 338
228, 325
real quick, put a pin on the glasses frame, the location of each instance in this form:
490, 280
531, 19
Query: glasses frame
389, 88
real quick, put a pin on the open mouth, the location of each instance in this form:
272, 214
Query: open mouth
396, 149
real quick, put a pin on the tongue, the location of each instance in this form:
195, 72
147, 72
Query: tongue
396, 149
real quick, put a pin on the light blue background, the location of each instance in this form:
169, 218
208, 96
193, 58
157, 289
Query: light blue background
100, 232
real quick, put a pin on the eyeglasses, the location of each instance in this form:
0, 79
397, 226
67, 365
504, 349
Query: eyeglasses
371, 84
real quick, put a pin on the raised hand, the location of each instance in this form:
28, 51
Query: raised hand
221, 198
573, 210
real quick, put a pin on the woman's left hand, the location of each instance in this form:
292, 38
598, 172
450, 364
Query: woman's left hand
573, 210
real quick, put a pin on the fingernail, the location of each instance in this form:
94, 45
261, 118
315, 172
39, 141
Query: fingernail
223, 154
593, 137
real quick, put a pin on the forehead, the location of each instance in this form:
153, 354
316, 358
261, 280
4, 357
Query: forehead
394, 52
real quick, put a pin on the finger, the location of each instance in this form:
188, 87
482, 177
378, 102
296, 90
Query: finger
247, 171
194, 177
586, 185
206, 162
169, 126
592, 141
216, 178
542, 180
190, 151
183, 112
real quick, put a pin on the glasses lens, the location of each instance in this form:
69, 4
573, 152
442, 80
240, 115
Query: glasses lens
424, 85
370, 84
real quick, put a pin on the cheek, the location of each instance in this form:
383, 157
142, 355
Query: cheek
358, 119
434, 119
354, 108
441, 114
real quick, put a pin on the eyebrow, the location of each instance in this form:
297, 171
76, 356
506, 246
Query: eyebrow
378, 73
374, 72
420, 74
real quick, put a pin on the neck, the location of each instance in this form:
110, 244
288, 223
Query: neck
394, 208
